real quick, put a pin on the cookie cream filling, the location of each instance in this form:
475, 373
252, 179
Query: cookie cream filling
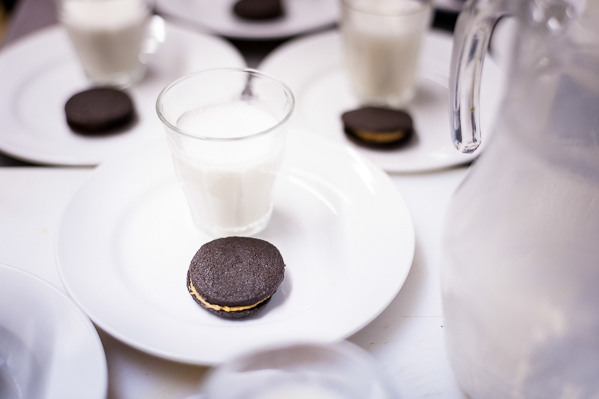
382, 137
223, 308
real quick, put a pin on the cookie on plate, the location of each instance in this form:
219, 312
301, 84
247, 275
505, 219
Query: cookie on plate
99, 110
377, 127
235, 277
258, 10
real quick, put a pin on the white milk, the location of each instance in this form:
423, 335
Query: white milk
228, 183
107, 36
382, 42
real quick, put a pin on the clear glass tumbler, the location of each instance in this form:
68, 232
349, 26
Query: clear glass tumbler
301, 371
226, 130
108, 36
382, 41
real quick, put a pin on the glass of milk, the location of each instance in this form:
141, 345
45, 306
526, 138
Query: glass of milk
226, 130
301, 371
108, 36
382, 40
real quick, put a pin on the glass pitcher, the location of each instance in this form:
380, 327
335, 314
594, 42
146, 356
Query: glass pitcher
520, 272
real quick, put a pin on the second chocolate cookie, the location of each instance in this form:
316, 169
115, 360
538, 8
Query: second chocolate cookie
378, 127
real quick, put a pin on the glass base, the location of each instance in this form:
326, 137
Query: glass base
245, 231
394, 101
119, 80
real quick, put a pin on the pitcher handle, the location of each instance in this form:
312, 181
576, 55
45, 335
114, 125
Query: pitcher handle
471, 40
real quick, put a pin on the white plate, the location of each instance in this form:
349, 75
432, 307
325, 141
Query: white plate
301, 16
39, 73
126, 241
48, 348
313, 68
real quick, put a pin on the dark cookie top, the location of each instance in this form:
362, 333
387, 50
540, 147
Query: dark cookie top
98, 110
258, 10
374, 127
375, 119
236, 271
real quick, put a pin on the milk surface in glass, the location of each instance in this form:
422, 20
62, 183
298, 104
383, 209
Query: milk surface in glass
382, 41
228, 183
107, 35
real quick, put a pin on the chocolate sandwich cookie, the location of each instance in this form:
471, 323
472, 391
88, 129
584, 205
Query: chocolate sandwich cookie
235, 277
99, 110
377, 127
258, 10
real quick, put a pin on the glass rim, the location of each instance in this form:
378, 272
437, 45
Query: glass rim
350, 4
248, 71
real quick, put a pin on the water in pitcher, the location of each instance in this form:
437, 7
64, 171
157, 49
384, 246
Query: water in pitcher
521, 260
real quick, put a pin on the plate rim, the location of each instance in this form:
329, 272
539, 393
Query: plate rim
316, 39
114, 330
81, 317
239, 34
39, 37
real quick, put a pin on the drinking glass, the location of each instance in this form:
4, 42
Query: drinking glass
382, 41
226, 129
334, 371
108, 36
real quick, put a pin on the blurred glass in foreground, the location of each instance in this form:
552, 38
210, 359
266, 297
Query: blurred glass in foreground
339, 371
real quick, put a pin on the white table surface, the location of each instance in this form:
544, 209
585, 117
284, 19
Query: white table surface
406, 339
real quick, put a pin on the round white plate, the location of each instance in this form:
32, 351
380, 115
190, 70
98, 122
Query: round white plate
314, 70
48, 348
301, 16
126, 241
39, 73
